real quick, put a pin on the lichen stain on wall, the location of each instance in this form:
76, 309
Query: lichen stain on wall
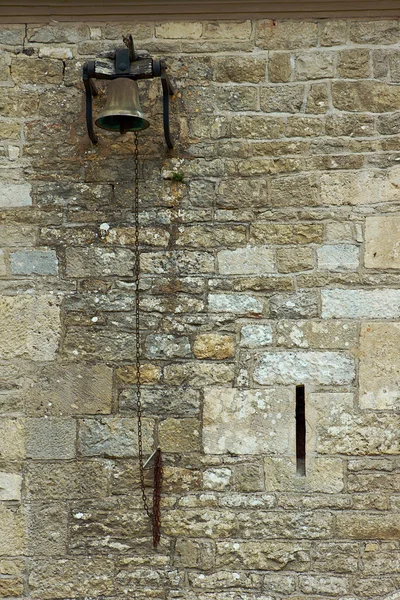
270, 260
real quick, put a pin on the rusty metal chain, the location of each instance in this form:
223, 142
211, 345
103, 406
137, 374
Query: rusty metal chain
137, 328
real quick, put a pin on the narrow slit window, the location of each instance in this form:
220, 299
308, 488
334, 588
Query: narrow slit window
300, 430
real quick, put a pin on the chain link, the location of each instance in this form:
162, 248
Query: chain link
137, 331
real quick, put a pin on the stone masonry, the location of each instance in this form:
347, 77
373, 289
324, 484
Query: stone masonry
270, 259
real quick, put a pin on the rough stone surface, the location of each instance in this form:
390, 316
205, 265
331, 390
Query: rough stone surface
269, 260
379, 366
261, 415
382, 242
324, 368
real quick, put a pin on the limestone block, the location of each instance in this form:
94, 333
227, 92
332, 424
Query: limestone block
211, 236
186, 30
317, 99
3, 264
10, 486
12, 580
47, 525
17, 235
194, 554
237, 30
160, 345
294, 306
240, 304
375, 32
61, 578
217, 479
227, 579
29, 326
239, 70
281, 233
324, 475
365, 96
254, 126
198, 374
300, 126
113, 436
282, 98
380, 366
12, 35
349, 124
379, 559
184, 262
323, 368
279, 67
34, 70
340, 557
199, 523
257, 260
354, 63
99, 344
100, 262
12, 531
179, 435
317, 334
355, 304
242, 192
367, 526
12, 439
266, 525
334, 427
50, 438
15, 194
70, 389
333, 32
34, 262
382, 242
338, 257
322, 584
314, 65
185, 403
253, 336
240, 98
247, 421
149, 374
286, 34
292, 259
67, 480
214, 345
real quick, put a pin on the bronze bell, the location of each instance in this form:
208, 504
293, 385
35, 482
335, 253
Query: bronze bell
123, 111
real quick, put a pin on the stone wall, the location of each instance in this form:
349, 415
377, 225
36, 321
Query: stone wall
271, 257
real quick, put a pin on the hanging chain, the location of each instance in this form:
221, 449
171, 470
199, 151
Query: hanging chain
137, 331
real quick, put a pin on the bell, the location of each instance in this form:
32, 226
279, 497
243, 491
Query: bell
123, 111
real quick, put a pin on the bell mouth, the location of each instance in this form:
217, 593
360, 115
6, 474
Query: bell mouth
122, 123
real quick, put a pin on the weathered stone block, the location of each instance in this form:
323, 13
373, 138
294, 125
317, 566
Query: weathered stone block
14, 195
194, 554
324, 475
262, 417
113, 436
240, 192
365, 96
184, 30
185, 403
324, 368
355, 304
374, 32
180, 435
12, 531
237, 30
320, 584
292, 259
159, 345
266, 525
317, 334
240, 99
239, 70
282, 233
279, 67
314, 65
98, 262
282, 98
236, 303
253, 336
367, 526
50, 438
354, 63
47, 526
211, 236
60, 578
338, 257
286, 34
333, 32
148, 374
213, 345
300, 126
254, 126
29, 326
334, 428
379, 366
36, 70
34, 262
71, 389
12, 439
184, 262
98, 344
10, 486
338, 557
257, 260
382, 242
199, 374
227, 579
380, 559
12, 580
294, 306
67, 480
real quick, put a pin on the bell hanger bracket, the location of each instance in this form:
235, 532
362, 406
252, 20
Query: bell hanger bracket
125, 62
